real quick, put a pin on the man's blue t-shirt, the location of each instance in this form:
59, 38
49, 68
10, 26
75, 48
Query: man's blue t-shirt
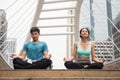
35, 51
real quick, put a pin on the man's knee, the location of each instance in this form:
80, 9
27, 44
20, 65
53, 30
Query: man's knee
16, 60
48, 61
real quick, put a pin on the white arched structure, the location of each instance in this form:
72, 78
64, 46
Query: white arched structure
73, 27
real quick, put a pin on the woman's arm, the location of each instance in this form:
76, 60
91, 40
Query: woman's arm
73, 56
93, 54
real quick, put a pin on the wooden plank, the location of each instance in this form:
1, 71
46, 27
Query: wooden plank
59, 73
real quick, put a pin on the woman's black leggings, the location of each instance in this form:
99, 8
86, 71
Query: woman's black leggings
73, 65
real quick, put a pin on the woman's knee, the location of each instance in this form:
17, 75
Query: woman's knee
96, 65
67, 63
100, 65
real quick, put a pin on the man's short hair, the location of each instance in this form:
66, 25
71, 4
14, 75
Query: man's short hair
33, 29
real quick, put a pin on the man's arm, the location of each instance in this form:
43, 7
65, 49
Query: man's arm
21, 56
45, 51
46, 55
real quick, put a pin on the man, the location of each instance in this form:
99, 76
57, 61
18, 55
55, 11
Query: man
36, 52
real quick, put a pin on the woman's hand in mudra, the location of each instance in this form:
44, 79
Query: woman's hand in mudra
65, 59
101, 60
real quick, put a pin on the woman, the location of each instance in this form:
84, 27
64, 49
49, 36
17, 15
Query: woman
83, 51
